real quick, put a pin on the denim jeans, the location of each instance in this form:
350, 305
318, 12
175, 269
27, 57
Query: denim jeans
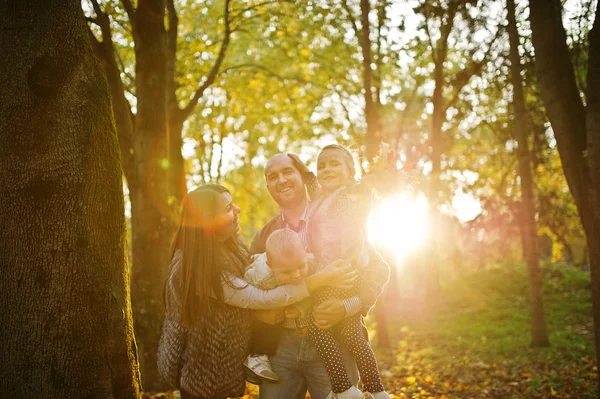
300, 369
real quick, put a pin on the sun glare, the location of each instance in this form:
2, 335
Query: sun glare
399, 224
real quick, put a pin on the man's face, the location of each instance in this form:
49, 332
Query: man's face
290, 270
284, 181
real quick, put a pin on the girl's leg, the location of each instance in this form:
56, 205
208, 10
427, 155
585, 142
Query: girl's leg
329, 349
354, 339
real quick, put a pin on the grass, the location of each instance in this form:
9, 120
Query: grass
477, 344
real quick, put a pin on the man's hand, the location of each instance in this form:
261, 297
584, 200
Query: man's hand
269, 316
328, 313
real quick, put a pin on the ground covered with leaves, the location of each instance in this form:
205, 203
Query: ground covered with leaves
477, 343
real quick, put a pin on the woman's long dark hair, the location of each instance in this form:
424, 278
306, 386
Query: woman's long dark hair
205, 261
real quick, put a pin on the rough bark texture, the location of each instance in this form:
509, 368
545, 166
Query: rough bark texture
64, 291
576, 128
152, 218
436, 142
539, 334
371, 111
150, 143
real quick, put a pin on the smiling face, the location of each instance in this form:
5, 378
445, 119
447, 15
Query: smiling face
332, 170
284, 182
227, 212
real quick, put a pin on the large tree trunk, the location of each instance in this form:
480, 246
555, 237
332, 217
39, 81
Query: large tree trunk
373, 136
576, 128
151, 153
539, 334
432, 284
152, 219
64, 291
439, 54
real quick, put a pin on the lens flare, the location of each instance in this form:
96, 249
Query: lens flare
399, 224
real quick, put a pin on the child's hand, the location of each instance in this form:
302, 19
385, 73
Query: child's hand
292, 312
302, 168
328, 313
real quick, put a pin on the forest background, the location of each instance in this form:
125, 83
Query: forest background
491, 249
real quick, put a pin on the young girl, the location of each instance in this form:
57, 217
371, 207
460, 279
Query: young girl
337, 229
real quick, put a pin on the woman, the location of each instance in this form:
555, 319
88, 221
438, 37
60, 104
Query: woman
207, 323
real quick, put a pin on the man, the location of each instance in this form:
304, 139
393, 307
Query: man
297, 362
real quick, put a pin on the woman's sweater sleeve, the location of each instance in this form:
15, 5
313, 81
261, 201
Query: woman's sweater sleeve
241, 294
171, 347
173, 338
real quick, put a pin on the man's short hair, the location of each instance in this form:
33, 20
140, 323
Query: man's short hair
283, 243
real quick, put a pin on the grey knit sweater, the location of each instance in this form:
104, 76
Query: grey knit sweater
206, 360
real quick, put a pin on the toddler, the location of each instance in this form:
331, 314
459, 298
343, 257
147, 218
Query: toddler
284, 262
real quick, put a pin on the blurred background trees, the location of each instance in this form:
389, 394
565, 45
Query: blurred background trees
207, 91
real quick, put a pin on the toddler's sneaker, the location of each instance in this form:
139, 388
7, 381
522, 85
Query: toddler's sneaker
261, 366
351, 393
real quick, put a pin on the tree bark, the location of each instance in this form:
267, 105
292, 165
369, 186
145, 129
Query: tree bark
371, 112
151, 153
438, 55
64, 282
539, 334
152, 217
576, 128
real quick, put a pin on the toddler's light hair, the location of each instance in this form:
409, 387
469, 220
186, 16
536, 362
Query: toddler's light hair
283, 243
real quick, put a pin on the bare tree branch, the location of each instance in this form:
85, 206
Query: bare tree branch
269, 71
426, 26
235, 14
212, 75
128, 6
92, 20
124, 118
462, 78
352, 20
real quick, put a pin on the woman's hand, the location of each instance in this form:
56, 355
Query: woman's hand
269, 316
340, 274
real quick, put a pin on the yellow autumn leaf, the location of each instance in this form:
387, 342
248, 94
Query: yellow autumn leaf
411, 380
305, 52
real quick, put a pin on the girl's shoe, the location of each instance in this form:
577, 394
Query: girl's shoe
381, 395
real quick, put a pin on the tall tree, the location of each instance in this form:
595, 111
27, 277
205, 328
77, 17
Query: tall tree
64, 282
372, 104
150, 141
446, 23
527, 215
576, 124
